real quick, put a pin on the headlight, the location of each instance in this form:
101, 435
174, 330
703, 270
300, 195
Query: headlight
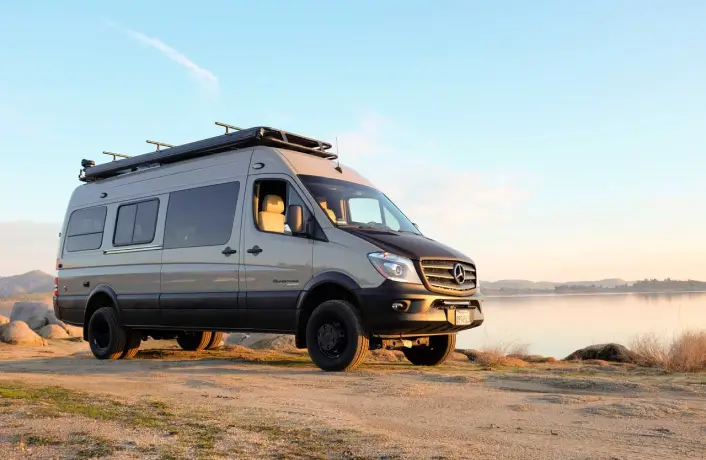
394, 267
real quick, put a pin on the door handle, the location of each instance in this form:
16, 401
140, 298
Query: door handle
228, 251
255, 250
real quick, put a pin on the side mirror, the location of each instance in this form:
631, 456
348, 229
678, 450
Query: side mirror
295, 218
415, 225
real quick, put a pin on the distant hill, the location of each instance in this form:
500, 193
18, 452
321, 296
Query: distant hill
518, 284
34, 282
523, 285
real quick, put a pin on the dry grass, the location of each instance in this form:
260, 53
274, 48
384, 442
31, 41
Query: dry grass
507, 349
685, 353
500, 354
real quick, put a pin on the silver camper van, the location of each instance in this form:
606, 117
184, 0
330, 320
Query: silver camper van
255, 230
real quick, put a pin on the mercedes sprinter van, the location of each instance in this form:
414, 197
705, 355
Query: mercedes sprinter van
256, 230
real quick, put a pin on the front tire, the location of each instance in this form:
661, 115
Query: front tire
438, 350
106, 337
194, 341
335, 338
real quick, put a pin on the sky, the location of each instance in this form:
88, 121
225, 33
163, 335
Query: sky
547, 140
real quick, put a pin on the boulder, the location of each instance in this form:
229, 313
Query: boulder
74, 331
52, 331
19, 333
37, 322
236, 338
611, 352
4, 320
22, 311
274, 342
52, 319
261, 341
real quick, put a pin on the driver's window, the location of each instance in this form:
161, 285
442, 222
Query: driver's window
364, 210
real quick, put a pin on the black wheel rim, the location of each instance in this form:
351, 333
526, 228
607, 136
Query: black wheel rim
101, 332
331, 338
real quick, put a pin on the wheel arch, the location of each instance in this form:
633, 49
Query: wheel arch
101, 296
324, 286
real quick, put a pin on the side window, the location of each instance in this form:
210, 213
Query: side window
364, 210
85, 229
390, 220
136, 223
201, 216
271, 202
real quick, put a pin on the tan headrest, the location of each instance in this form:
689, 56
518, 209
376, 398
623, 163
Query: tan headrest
273, 203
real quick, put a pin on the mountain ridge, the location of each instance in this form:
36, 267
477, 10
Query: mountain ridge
31, 282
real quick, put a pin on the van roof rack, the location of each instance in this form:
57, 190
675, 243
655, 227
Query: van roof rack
259, 135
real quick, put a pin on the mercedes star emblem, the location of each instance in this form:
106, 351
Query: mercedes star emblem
459, 273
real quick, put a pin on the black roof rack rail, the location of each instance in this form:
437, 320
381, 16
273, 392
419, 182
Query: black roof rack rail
259, 135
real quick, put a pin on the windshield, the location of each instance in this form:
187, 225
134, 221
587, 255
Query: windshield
353, 205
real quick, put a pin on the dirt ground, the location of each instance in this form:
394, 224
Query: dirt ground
59, 402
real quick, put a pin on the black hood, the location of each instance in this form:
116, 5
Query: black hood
408, 245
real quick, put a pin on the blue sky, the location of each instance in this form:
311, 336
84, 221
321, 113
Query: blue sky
576, 129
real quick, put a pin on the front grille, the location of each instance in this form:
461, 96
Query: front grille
439, 275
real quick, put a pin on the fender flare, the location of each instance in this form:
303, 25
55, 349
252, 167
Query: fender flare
330, 277
105, 290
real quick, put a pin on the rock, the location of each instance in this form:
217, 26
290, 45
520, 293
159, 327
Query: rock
611, 352
52, 319
261, 341
22, 311
52, 331
472, 355
37, 322
73, 331
19, 333
273, 342
235, 338
4, 320
491, 359
536, 359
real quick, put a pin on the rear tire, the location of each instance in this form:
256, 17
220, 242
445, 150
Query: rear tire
335, 337
194, 341
134, 339
215, 341
106, 337
439, 348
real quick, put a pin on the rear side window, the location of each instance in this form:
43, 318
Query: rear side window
85, 230
201, 216
136, 223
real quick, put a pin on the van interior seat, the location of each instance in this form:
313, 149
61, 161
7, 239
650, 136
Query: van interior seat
271, 218
330, 212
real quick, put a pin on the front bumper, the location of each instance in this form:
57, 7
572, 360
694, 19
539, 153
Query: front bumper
425, 313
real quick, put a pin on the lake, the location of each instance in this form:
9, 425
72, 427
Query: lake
556, 325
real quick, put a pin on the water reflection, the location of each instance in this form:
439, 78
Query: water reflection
556, 325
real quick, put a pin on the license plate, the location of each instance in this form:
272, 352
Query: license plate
463, 317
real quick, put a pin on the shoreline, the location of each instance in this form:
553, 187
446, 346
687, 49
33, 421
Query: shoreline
574, 294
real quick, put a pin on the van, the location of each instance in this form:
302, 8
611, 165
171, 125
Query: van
256, 230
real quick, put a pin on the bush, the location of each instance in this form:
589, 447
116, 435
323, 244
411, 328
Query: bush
685, 353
